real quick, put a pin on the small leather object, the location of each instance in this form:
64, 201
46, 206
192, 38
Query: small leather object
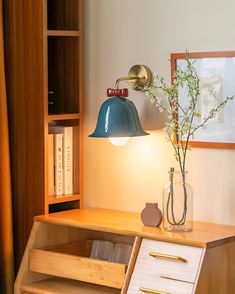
151, 215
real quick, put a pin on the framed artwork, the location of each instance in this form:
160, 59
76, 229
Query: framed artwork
216, 71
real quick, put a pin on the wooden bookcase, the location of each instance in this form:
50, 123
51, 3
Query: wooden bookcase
43, 48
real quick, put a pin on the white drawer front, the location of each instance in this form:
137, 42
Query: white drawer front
158, 284
173, 272
184, 271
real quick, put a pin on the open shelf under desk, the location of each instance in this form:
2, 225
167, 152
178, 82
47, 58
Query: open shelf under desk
62, 286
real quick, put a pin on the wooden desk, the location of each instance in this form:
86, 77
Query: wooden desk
56, 259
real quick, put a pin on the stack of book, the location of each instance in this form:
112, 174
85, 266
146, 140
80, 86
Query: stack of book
60, 160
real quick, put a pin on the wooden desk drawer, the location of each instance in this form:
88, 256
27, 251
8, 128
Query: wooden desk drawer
68, 265
165, 267
169, 260
151, 284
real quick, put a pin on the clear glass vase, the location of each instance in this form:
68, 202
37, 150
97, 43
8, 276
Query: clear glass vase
178, 203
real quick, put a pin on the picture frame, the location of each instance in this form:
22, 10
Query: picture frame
216, 71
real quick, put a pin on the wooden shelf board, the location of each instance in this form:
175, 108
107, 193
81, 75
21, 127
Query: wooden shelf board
63, 33
64, 116
61, 286
64, 198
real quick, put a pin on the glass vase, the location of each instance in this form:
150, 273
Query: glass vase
178, 203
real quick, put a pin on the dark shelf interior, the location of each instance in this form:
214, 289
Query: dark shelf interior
62, 14
63, 72
64, 206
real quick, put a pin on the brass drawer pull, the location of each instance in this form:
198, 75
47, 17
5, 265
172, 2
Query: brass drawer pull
169, 257
146, 290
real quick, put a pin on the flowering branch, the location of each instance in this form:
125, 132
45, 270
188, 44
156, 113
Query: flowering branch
180, 126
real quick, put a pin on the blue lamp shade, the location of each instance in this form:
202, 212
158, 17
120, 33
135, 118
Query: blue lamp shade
118, 117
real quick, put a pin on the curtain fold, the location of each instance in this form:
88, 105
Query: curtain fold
6, 230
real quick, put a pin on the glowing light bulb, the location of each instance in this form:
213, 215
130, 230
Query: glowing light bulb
118, 141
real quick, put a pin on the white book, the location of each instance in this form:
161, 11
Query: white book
67, 132
59, 175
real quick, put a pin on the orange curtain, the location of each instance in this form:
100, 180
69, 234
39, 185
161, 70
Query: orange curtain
6, 235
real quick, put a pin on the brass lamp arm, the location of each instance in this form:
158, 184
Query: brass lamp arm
125, 79
138, 77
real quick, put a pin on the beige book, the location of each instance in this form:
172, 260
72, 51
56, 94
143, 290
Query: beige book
59, 175
67, 132
51, 178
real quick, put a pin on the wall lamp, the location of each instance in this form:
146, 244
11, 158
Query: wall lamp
118, 118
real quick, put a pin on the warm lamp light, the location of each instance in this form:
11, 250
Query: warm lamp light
119, 141
118, 118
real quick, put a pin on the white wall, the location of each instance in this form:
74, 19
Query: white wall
119, 34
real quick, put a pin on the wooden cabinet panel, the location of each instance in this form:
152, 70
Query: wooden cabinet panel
44, 41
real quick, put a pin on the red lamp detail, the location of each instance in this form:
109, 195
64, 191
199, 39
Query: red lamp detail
117, 92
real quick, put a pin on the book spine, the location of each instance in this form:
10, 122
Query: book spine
58, 151
51, 179
68, 160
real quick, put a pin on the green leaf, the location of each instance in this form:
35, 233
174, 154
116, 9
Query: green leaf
197, 114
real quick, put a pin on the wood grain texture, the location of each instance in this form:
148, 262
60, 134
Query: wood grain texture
217, 274
129, 223
61, 14
6, 223
77, 268
63, 33
67, 198
59, 117
25, 89
23, 273
131, 264
81, 99
62, 286
27, 71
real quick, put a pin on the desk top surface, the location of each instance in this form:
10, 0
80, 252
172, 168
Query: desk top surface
129, 223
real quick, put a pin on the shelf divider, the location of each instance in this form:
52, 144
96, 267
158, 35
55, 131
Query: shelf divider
65, 198
63, 33
64, 116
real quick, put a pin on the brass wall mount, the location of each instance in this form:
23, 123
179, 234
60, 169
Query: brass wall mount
138, 77
141, 76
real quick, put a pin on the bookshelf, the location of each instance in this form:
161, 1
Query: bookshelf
44, 71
